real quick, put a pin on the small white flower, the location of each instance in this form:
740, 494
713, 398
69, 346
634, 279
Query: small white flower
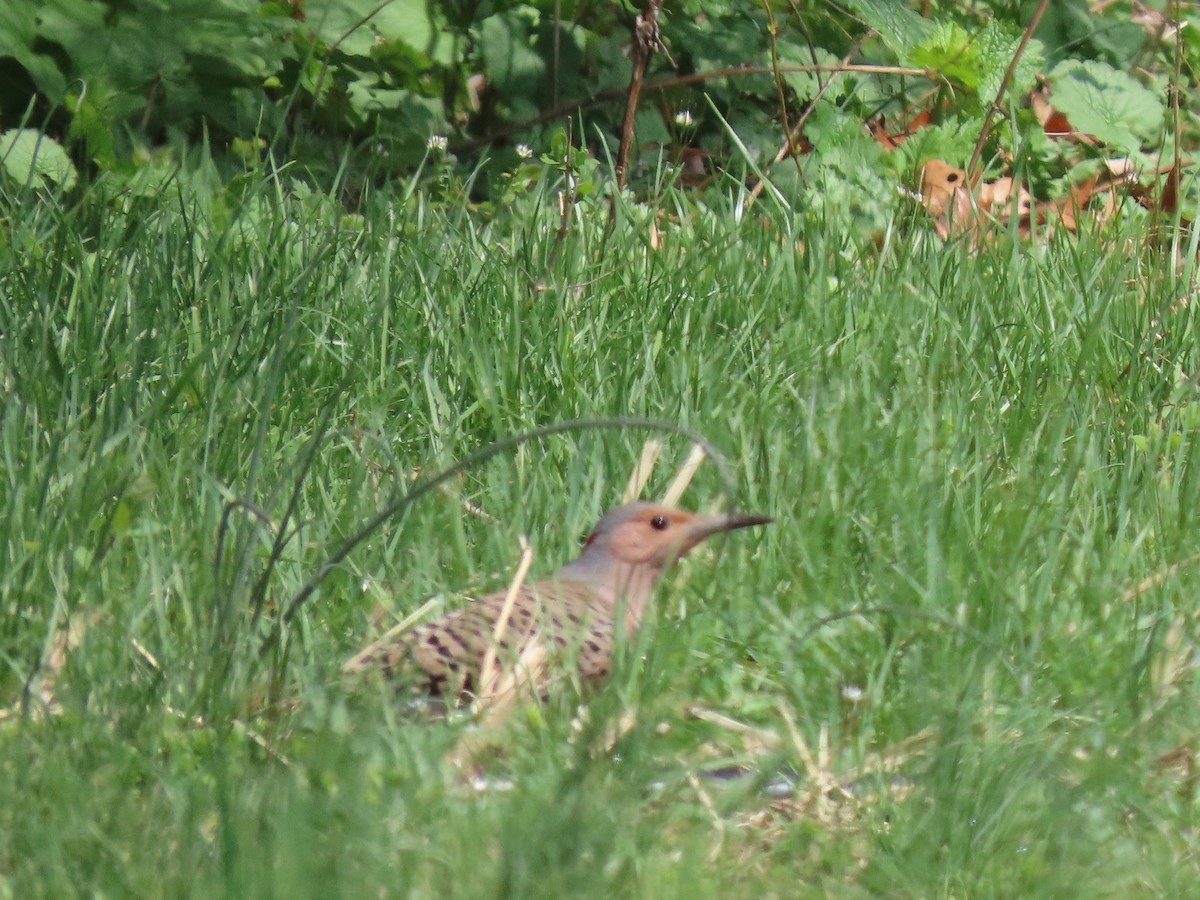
684, 119
437, 142
524, 151
852, 692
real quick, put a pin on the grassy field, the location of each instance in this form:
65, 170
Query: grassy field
970, 632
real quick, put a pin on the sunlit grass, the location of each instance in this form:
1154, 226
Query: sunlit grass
976, 460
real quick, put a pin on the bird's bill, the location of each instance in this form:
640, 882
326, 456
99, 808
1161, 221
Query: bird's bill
702, 527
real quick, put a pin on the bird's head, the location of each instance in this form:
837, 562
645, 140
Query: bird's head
654, 536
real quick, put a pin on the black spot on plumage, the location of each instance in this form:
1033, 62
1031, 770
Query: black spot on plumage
442, 650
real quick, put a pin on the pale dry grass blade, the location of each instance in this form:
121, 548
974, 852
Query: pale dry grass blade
487, 670
762, 737
64, 640
1173, 666
651, 450
144, 652
477, 511
825, 791
892, 759
685, 475
368, 654
522, 682
625, 723
1159, 578
710, 808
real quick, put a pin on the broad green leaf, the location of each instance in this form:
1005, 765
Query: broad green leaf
997, 46
89, 122
953, 52
900, 28
29, 156
512, 63
807, 84
355, 26
18, 33
1107, 104
411, 21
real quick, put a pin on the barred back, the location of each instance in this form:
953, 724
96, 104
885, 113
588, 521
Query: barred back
444, 656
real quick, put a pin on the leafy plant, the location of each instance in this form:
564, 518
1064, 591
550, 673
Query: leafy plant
356, 90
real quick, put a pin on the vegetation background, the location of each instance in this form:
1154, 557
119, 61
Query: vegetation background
267, 268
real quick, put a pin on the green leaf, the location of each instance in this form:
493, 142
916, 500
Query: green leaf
18, 37
29, 156
807, 84
345, 23
997, 46
88, 121
1107, 104
953, 52
411, 21
900, 28
513, 65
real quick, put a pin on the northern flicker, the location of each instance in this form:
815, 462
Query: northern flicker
576, 612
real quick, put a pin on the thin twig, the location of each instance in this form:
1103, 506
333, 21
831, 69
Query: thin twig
321, 76
794, 131
1004, 83
646, 42
675, 81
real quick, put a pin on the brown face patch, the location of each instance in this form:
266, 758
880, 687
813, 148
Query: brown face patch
657, 536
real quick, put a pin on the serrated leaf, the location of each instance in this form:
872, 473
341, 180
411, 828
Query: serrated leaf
900, 28
951, 51
88, 121
807, 84
997, 45
1107, 104
28, 156
950, 140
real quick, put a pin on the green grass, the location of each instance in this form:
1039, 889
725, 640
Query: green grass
982, 451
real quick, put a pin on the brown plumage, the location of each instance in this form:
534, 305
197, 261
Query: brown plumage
575, 613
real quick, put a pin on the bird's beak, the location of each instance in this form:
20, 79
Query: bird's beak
702, 527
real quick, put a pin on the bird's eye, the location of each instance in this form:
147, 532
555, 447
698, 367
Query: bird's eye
659, 523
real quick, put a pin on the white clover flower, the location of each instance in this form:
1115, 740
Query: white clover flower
684, 119
524, 151
437, 142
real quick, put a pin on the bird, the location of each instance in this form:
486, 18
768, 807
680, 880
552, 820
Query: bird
579, 613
